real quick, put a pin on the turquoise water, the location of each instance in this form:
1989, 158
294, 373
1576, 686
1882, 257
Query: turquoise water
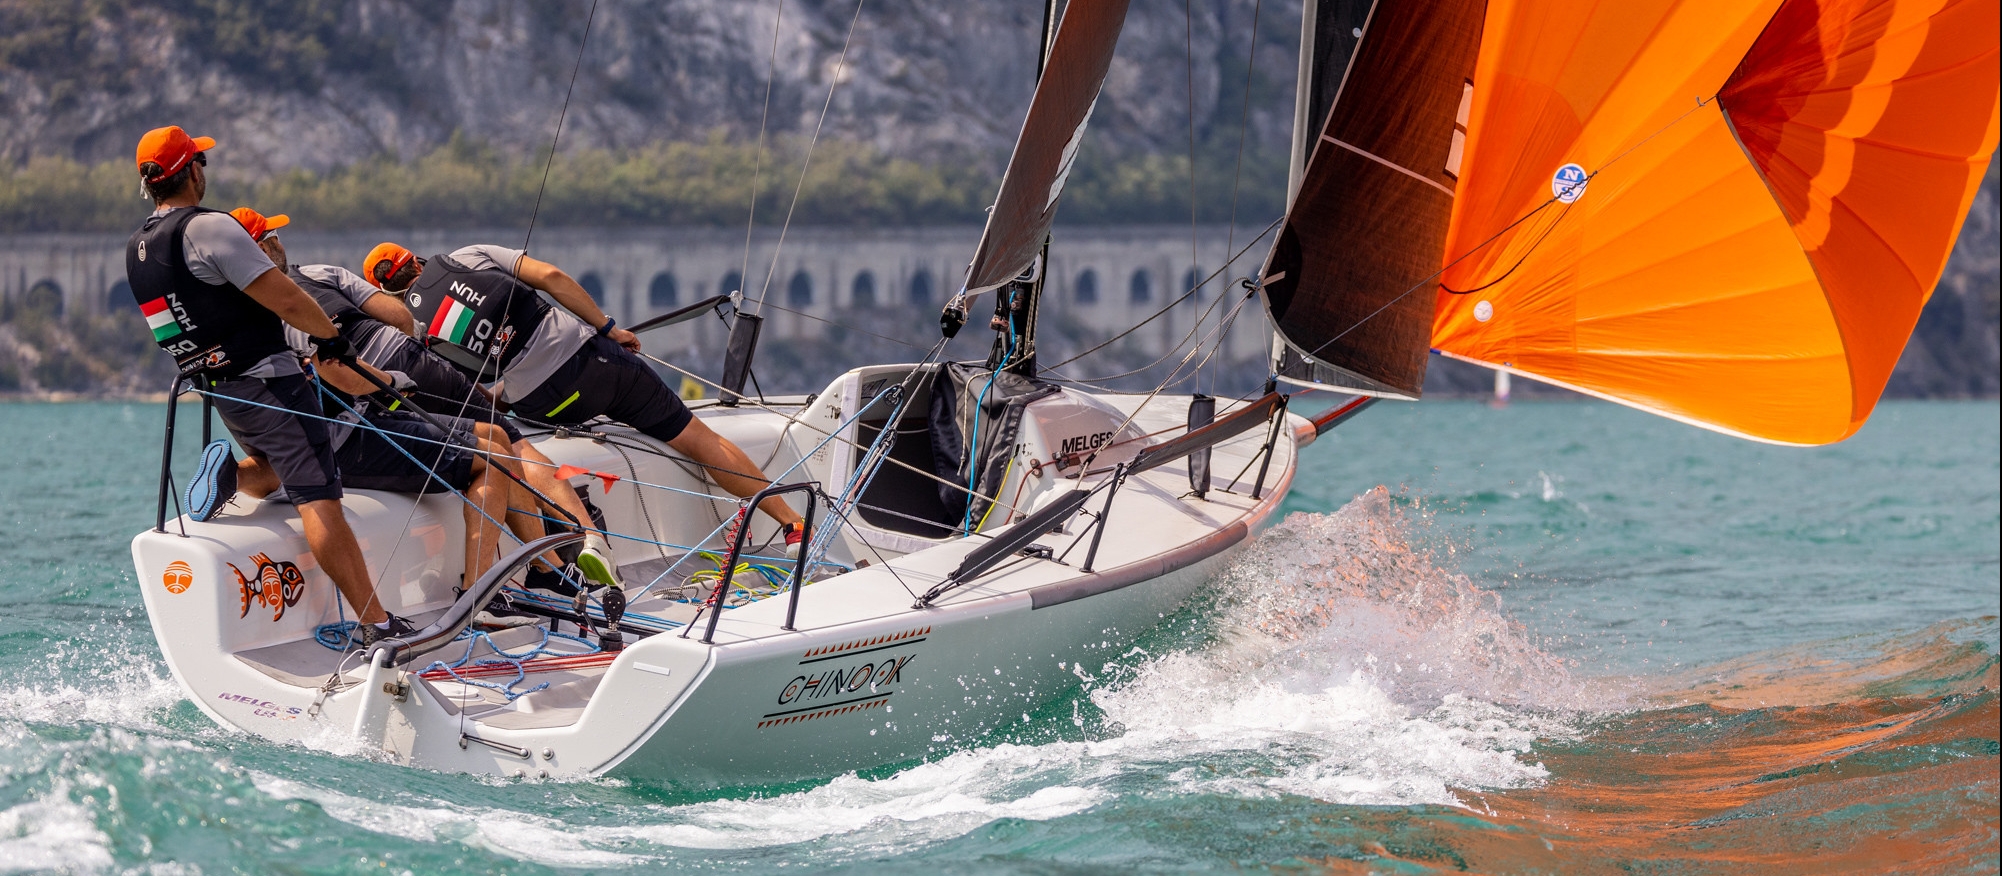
1563, 637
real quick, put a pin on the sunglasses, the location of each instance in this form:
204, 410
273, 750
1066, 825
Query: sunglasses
271, 236
202, 158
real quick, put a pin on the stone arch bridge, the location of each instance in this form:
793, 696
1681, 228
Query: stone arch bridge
888, 281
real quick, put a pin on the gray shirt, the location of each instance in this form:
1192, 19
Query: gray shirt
552, 343
218, 251
373, 346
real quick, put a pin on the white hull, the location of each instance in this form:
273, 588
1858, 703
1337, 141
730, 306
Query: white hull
865, 680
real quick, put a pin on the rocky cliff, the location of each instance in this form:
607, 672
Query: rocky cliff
317, 84
321, 85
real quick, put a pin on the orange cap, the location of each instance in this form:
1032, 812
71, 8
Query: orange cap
171, 148
257, 223
383, 262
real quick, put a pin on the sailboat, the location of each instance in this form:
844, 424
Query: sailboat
1733, 223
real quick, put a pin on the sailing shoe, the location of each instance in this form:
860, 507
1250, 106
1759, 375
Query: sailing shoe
795, 538
214, 483
595, 561
366, 635
551, 581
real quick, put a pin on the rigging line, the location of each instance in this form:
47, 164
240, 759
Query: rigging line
758, 164
1184, 296
795, 421
1435, 275
1243, 132
560, 115
1243, 127
401, 531
1193, 326
833, 83
490, 455
841, 325
1189, 75
880, 559
1086, 464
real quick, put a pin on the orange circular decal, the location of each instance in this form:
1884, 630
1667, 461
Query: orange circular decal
178, 577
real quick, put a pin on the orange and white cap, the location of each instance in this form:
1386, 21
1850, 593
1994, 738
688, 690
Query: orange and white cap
171, 148
258, 224
383, 262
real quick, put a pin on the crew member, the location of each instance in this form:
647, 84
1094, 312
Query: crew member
481, 312
217, 306
379, 327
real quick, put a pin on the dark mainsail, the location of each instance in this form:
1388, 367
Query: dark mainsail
1349, 283
1048, 143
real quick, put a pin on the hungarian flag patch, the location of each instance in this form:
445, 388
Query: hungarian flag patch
160, 318
453, 322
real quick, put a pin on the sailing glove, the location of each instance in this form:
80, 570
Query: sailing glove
334, 349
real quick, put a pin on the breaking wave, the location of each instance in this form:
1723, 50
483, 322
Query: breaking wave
1333, 660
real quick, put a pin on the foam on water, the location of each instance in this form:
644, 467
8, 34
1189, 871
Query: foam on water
119, 690
51, 834
1352, 668
1334, 661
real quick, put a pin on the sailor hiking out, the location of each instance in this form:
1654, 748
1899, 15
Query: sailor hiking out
399, 450
379, 327
479, 308
218, 305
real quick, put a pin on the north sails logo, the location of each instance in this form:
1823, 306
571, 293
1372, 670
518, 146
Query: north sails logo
142, 250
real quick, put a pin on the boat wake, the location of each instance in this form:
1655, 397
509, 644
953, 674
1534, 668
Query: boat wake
1334, 666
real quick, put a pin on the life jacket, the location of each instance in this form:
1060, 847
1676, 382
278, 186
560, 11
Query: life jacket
211, 329
478, 320
363, 331
343, 312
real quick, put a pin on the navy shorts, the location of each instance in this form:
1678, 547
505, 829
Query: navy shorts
442, 388
606, 379
383, 460
276, 420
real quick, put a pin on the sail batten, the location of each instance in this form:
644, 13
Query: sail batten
1348, 282
1048, 144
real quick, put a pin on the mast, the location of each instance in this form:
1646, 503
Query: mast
1015, 308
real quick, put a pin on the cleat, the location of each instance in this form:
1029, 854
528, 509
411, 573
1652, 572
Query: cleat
214, 483
795, 537
366, 635
596, 562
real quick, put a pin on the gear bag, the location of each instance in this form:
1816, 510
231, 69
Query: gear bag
971, 405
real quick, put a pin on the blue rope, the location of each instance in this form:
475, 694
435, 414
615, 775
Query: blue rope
633, 618
373, 428
473, 639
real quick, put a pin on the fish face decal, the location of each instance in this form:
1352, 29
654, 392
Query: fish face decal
275, 584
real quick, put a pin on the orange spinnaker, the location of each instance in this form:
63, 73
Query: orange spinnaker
1775, 187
